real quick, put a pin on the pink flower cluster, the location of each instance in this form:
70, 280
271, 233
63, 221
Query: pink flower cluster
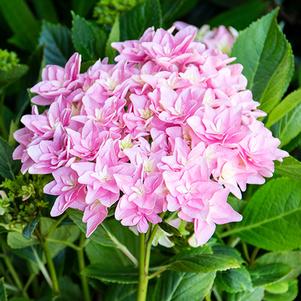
221, 37
169, 126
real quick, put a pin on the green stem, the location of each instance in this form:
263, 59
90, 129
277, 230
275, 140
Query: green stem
41, 266
216, 294
143, 279
29, 281
245, 251
208, 297
253, 256
14, 274
51, 267
158, 272
233, 241
65, 243
81, 264
144, 260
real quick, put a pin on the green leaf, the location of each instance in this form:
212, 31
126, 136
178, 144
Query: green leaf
114, 257
134, 22
57, 43
56, 237
22, 23
226, 250
155, 17
290, 167
241, 15
87, 39
277, 288
272, 217
174, 9
45, 10
290, 295
290, 258
10, 76
3, 295
99, 236
121, 292
114, 36
170, 229
114, 275
267, 59
111, 234
264, 274
284, 107
8, 167
203, 263
254, 295
234, 280
30, 227
83, 7
69, 290
289, 126
17, 241
123, 238
177, 286
293, 144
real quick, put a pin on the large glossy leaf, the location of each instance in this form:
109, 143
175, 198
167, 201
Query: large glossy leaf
87, 39
234, 280
284, 107
289, 126
178, 286
99, 236
57, 237
8, 167
272, 216
254, 295
204, 263
106, 257
121, 292
17, 241
290, 295
264, 274
111, 234
290, 167
56, 40
267, 59
111, 274
290, 258
134, 22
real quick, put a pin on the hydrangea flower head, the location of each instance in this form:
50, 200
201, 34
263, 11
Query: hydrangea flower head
169, 127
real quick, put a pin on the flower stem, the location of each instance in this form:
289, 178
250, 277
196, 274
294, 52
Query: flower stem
143, 270
144, 260
81, 264
51, 267
14, 275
